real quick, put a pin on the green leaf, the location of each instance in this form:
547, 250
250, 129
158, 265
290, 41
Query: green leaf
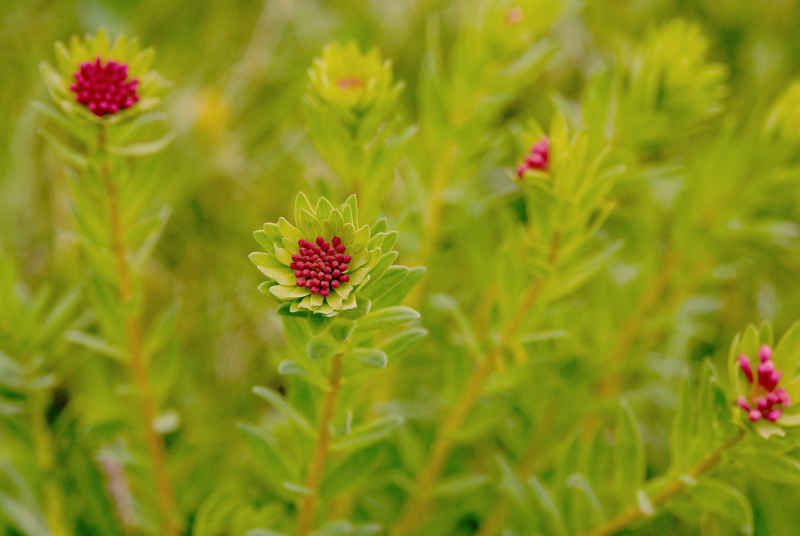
372, 357
22, 517
682, 430
321, 347
772, 466
272, 460
366, 435
264, 532
386, 318
787, 354
69, 155
143, 148
459, 485
398, 345
280, 404
629, 452
725, 501
545, 501
96, 344
398, 292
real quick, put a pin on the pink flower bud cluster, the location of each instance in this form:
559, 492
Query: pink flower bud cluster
321, 266
764, 391
537, 159
104, 89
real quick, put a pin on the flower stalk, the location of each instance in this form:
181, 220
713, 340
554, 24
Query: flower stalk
309, 504
136, 361
417, 507
674, 488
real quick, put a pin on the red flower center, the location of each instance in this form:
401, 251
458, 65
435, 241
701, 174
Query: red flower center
104, 89
514, 15
321, 266
350, 83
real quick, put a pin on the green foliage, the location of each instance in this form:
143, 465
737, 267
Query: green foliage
551, 354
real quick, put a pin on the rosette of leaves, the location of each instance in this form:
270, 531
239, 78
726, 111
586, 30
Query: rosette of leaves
345, 77
352, 113
74, 131
368, 255
69, 59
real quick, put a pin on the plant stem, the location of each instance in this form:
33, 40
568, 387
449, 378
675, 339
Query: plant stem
45, 458
416, 508
648, 301
675, 487
308, 506
136, 360
432, 214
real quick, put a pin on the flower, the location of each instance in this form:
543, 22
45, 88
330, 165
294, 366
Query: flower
99, 81
104, 89
764, 393
538, 158
320, 263
344, 76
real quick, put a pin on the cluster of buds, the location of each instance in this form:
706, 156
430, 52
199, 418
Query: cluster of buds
104, 89
537, 159
764, 392
322, 266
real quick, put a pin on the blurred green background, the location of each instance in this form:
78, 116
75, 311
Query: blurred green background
239, 71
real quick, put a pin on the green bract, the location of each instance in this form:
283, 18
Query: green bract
370, 248
87, 49
344, 76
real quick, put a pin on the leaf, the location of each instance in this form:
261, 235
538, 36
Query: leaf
263, 532
460, 485
548, 506
725, 501
272, 460
365, 435
25, 520
682, 430
321, 347
95, 344
772, 466
143, 148
399, 344
386, 318
280, 404
398, 292
371, 357
787, 354
629, 452
69, 155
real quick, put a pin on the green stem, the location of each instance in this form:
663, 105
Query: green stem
136, 360
417, 507
675, 487
308, 506
45, 459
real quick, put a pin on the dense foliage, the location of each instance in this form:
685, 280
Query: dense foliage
519, 267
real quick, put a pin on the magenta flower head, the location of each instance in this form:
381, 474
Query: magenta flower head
104, 89
764, 398
538, 159
100, 81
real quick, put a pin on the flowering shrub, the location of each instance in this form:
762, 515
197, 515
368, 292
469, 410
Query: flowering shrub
520, 271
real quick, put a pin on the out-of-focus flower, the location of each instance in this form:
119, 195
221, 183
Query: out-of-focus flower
538, 158
99, 81
764, 393
319, 263
344, 76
